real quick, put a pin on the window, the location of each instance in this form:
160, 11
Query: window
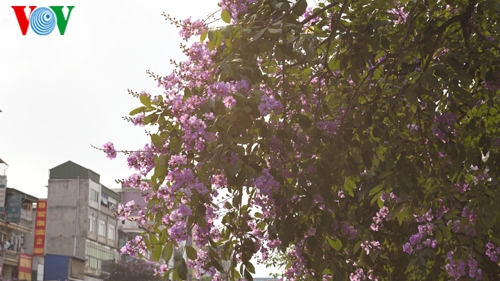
98, 256
111, 232
102, 228
92, 226
104, 199
94, 195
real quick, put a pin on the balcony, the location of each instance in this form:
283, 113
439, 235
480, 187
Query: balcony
11, 256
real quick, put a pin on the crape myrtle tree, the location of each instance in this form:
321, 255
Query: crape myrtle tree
133, 270
350, 139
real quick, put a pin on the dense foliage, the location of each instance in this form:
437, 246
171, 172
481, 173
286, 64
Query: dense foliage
134, 270
359, 139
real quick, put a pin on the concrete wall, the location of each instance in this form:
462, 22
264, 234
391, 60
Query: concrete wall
77, 269
67, 217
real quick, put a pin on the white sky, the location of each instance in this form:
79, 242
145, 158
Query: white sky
59, 94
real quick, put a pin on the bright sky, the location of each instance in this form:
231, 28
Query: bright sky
60, 94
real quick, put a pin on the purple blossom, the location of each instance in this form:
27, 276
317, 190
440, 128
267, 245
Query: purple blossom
438, 134
236, 7
190, 28
371, 246
408, 248
124, 211
109, 149
229, 102
398, 12
357, 275
492, 252
268, 104
138, 120
328, 127
349, 231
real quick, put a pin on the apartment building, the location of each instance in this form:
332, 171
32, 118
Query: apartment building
15, 225
82, 235
16, 218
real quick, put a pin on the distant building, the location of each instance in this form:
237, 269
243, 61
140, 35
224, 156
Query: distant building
16, 218
129, 229
82, 234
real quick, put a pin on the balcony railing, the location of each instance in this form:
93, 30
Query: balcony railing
10, 255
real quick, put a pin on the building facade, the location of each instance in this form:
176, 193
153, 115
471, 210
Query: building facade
16, 219
82, 233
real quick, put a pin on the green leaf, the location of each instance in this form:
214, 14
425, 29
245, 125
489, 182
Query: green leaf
219, 37
300, 8
446, 233
304, 122
191, 253
157, 140
203, 36
259, 34
431, 79
182, 270
249, 266
157, 252
274, 30
145, 100
439, 236
137, 110
168, 250
335, 244
225, 16
349, 186
248, 276
356, 247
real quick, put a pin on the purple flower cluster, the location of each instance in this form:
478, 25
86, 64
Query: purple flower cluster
445, 119
457, 269
357, 275
417, 241
229, 101
328, 127
398, 13
109, 149
199, 264
124, 211
492, 252
138, 120
423, 237
143, 160
444, 122
161, 270
390, 196
371, 247
266, 183
382, 214
348, 230
465, 225
135, 247
298, 268
268, 104
235, 7
190, 28
133, 181
309, 12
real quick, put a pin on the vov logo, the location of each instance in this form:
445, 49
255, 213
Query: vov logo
42, 20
